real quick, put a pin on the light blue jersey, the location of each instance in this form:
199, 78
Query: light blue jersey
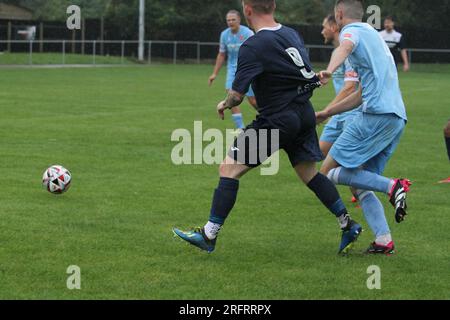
343, 74
230, 43
376, 68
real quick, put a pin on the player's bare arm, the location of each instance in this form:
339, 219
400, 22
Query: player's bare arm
350, 87
405, 60
221, 57
351, 102
337, 59
234, 99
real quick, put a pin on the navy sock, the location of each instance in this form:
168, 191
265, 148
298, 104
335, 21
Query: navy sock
447, 142
224, 199
326, 191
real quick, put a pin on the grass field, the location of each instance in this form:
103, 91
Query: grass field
111, 127
57, 58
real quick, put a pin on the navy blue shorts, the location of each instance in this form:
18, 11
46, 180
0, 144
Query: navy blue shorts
293, 131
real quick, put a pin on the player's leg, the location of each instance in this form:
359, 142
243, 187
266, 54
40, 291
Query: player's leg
376, 219
370, 138
238, 118
223, 202
447, 143
304, 153
331, 132
327, 193
373, 212
325, 147
362, 179
244, 155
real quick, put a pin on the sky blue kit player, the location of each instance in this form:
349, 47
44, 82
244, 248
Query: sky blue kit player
230, 44
361, 153
231, 41
381, 96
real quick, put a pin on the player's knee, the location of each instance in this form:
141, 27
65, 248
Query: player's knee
324, 171
223, 170
227, 171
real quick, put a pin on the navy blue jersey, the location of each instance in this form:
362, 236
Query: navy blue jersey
276, 63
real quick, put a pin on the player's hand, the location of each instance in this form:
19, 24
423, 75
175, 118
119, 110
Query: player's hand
211, 79
406, 68
324, 77
321, 117
221, 109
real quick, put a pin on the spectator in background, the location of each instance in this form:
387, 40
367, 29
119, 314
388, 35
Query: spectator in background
395, 42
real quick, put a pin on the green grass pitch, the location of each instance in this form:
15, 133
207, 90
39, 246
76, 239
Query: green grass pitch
112, 126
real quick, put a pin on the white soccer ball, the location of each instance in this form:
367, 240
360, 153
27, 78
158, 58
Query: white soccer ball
57, 179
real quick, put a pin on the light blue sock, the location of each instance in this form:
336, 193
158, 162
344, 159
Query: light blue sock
238, 120
374, 213
361, 179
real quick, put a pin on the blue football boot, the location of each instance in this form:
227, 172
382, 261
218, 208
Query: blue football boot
197, 237
349, 236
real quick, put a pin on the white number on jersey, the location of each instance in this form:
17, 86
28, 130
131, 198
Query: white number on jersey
298, 60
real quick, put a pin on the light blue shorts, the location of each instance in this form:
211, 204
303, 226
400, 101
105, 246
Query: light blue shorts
229, 84
333, 129
369, 141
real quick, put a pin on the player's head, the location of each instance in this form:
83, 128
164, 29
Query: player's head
348, 10
389, 23
330, 29
233, 20
257, 8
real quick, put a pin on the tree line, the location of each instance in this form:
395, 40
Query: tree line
408, 12
168, 14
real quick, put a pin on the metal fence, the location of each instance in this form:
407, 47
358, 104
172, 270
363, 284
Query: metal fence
62, 52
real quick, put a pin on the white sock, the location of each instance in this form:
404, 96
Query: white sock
391, 186
344, 221
384, 240
212, 230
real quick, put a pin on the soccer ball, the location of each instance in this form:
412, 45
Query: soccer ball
57, 179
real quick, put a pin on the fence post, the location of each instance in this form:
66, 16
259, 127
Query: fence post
94, 44
198, 52
102, 35
30, 58
149, 52
9, 36
64, 52
83, 35
175, 45
73, 41
41, 37
122, 52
